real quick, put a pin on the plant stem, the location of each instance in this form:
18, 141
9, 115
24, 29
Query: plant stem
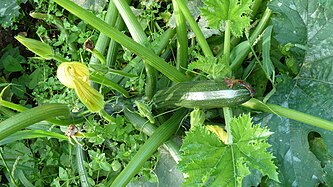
59, 58
194, 26
236, 63
255, 6
149, 129
103, 40
139, 36
289, 113
12, 179
98, 55
20, 108
98, 78
171, 72
106, 116
113, 45
160, 135
158, 47
227, 112
80, 165
182, 41
226, 49
31, 116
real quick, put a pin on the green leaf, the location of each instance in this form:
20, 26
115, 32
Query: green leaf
207, 161
237, 11
11, 59
11, 64
9, 12
214, 67
307, 23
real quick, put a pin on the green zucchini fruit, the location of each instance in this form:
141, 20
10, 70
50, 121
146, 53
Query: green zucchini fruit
201, 94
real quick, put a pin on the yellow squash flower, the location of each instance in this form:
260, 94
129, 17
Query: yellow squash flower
219, 132
76, 75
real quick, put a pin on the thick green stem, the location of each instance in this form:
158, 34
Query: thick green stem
31, 116
160, 135
139, 36
80, 166
236, 63
158, 47
20, 108
289, 113
171, 72
143, 125
103, 40
194, 26
226, 49
113, 45
227, 112
255, 7
182, 41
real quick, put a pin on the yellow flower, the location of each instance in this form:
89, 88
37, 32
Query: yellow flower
219, 132
76, 75
68, 71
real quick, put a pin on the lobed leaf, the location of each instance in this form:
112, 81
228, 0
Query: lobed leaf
307, 23
207, 161
236, 11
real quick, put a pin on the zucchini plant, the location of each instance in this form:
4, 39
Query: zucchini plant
213, 95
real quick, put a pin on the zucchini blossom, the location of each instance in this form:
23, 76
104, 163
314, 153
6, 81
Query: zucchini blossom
76, 75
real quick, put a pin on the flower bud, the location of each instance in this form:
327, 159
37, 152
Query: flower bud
41, 49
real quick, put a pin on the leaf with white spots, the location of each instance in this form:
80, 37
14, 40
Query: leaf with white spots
308, 24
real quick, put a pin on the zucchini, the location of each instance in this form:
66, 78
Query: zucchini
202, 94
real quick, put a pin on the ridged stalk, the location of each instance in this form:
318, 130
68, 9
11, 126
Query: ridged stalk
182, 41
80, 166
289, 113
195, 28
145, 53
161, 134
103, 40
143, 125
139, 36
31, 116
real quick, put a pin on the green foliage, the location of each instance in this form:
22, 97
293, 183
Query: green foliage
212, 66
311, 92
10, 12
293, 55
207, 161
236, 11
